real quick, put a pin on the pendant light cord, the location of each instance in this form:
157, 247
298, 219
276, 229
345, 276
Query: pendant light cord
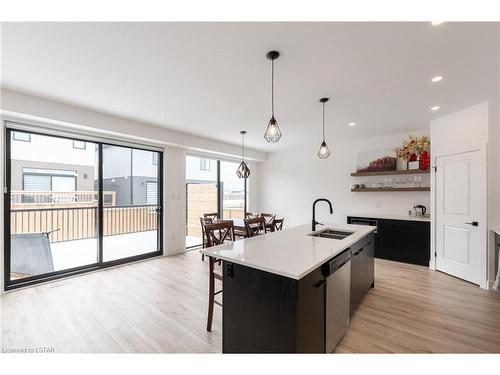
272, 87
242, 147
323, 121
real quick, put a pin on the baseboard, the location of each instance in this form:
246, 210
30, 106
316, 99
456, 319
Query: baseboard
490, 286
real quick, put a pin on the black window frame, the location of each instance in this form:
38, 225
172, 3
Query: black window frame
100, 264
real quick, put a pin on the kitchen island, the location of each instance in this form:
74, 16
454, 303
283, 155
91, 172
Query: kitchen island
282, 292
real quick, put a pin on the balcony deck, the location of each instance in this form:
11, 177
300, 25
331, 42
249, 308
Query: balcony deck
69, 254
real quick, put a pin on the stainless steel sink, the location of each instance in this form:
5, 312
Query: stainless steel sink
332, 234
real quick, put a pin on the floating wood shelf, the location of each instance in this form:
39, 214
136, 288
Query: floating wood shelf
387, 189
390, 173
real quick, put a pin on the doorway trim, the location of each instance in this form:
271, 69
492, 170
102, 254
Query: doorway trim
483, 203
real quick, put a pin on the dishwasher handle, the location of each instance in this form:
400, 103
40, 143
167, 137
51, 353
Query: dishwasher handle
336, 263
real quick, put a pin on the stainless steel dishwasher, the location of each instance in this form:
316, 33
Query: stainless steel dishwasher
338, 291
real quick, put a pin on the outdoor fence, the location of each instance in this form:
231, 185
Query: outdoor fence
78, 223
49, 199
201, 199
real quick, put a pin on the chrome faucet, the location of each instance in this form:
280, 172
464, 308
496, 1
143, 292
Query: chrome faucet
314, 222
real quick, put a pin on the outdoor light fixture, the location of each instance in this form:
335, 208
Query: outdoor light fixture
243, 171
273, 132
323, 152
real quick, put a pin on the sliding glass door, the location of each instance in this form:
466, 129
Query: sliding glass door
233, 191
201, 195
131, 216
74, 205
212, 186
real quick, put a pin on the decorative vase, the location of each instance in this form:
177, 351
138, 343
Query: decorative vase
424, 161
402, 164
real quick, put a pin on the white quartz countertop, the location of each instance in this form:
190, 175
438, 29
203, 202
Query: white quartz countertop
391, 217
496, 230
289, 252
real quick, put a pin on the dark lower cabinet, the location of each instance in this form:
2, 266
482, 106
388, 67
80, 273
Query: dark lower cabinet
268, 313
400, 240
362, 271
497, 252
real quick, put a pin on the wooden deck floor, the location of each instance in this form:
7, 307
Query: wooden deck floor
159, 305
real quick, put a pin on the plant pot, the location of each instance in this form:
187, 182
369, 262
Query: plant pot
402, 165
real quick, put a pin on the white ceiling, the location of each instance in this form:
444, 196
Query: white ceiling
212, 79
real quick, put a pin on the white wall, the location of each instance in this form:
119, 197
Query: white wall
462, 131
467, 128
15, 105
174, 193
291, 180
2, 161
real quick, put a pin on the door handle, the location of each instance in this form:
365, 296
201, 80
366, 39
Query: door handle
474, 223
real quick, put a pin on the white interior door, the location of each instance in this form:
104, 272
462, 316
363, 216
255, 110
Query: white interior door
458, 200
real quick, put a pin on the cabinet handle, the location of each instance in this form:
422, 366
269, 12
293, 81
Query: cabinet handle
319, 283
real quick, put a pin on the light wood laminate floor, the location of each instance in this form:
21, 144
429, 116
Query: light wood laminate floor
160, 305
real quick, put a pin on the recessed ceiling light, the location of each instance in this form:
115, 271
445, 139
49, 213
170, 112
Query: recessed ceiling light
435, 108
437, 78
435, 23
352, 124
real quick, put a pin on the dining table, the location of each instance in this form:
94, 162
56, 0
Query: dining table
239, 225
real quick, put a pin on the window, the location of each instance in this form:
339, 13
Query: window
35, 179
79, 145
204, 164
155, 158
20, 136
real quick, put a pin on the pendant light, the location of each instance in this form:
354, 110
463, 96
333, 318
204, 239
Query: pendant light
323, 152
243, 171
273, 132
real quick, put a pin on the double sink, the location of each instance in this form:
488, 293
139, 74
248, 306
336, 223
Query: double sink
331, 234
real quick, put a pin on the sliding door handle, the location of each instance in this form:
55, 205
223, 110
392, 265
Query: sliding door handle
474, 223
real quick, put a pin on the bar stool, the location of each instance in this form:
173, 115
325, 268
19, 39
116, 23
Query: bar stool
216, 234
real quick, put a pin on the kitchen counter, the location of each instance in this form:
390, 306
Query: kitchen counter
288, 292
391, 217
289, 252
496, 230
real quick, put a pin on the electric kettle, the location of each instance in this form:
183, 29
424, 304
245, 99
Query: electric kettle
420, 210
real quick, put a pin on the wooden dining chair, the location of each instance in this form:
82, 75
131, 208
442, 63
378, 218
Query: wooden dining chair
203, 222
278, 224
269, 220
216, 234
255, 226
214, 216
251, 215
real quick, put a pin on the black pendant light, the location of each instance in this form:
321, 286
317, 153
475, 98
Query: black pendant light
323, 152
273, 132
243, 171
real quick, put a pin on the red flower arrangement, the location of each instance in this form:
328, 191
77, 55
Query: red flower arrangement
415, 148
